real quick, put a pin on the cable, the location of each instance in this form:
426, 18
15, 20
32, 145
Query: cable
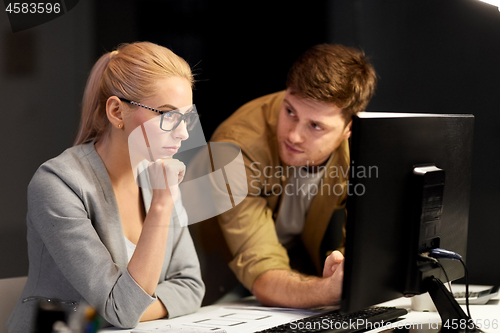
434, 260
446, 254
466, 273
445, 275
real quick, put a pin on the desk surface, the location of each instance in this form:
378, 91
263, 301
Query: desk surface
248, 316
487, 316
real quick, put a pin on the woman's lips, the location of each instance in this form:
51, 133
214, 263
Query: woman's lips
172, 149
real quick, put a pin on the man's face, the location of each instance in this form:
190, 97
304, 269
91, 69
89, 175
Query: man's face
309, 131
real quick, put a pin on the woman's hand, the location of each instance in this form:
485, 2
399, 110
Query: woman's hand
165, 176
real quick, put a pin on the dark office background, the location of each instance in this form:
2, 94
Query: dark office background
430, 55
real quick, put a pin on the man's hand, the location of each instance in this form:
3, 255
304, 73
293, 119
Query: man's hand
332, 262
292, 289
334, 272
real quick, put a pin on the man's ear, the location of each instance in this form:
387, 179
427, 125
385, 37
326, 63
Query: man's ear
114, 111
347, 131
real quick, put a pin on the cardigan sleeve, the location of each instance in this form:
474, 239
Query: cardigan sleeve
58, 214
182, 289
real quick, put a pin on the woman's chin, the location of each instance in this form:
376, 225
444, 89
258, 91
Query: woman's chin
167, 156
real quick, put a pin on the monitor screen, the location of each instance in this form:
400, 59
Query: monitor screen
383, 227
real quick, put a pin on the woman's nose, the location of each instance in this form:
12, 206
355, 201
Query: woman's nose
181, 131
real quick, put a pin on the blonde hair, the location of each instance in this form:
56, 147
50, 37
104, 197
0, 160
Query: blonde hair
129, 72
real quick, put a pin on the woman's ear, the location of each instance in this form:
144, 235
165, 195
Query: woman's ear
347, 130
114, 111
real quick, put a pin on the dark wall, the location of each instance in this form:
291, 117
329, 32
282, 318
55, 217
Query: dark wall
238, 51
439, 57
42, 74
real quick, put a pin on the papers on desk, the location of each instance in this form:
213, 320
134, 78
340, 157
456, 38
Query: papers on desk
230, 319
170, 329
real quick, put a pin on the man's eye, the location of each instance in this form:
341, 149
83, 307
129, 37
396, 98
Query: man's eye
290, 112
316, 127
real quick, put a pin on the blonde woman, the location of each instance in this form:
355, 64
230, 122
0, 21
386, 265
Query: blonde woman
94, 235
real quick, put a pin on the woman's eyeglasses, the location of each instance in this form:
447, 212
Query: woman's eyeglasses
170, 120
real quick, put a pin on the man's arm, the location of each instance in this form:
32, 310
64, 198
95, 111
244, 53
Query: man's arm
291, 289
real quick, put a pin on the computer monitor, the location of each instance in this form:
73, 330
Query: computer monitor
396, 210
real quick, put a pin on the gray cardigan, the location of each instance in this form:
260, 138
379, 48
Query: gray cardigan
77, 250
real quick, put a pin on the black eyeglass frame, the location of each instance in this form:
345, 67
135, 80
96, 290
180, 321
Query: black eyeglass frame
162, 113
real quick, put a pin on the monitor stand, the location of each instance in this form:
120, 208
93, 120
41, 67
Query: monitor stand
452, 315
